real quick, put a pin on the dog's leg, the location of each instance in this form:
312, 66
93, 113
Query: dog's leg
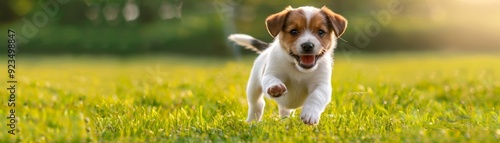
273, 86
284, 112
316, 103
255, 99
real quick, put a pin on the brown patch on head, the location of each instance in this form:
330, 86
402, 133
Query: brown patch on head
295, 24
338, 22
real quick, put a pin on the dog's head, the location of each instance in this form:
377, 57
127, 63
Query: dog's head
306, 33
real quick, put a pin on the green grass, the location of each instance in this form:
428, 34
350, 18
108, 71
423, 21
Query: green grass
376, 98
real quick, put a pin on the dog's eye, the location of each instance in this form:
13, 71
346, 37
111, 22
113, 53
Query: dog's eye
294, 32
321, 33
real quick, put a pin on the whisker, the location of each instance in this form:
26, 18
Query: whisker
343, 39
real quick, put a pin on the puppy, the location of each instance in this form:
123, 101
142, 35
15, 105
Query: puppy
294, 70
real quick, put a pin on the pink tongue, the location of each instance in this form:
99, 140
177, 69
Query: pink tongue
307, 60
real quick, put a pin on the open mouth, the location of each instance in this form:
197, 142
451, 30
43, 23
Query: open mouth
306, 61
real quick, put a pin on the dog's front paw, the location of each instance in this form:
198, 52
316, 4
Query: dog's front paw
276, 90
310, 116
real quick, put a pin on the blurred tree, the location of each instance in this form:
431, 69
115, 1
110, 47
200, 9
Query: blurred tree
201, 27
72, 13
12, 10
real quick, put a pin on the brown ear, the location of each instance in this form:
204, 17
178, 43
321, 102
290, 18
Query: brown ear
275, 22
339, 23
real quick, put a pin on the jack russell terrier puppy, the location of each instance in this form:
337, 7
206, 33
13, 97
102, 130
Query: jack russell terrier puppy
294, 70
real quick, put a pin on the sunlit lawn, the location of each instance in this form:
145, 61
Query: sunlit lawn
388, 97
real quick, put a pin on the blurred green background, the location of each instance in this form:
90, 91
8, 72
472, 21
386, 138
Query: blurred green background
87, 85
125, 27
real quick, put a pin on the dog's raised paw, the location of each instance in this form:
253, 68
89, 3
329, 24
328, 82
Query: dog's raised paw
276, 90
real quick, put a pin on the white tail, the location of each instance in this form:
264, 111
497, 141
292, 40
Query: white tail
249, 42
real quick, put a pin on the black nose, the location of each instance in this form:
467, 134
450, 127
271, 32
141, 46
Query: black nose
307, 47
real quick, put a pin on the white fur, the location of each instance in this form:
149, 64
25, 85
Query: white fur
307, 88
309, 11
